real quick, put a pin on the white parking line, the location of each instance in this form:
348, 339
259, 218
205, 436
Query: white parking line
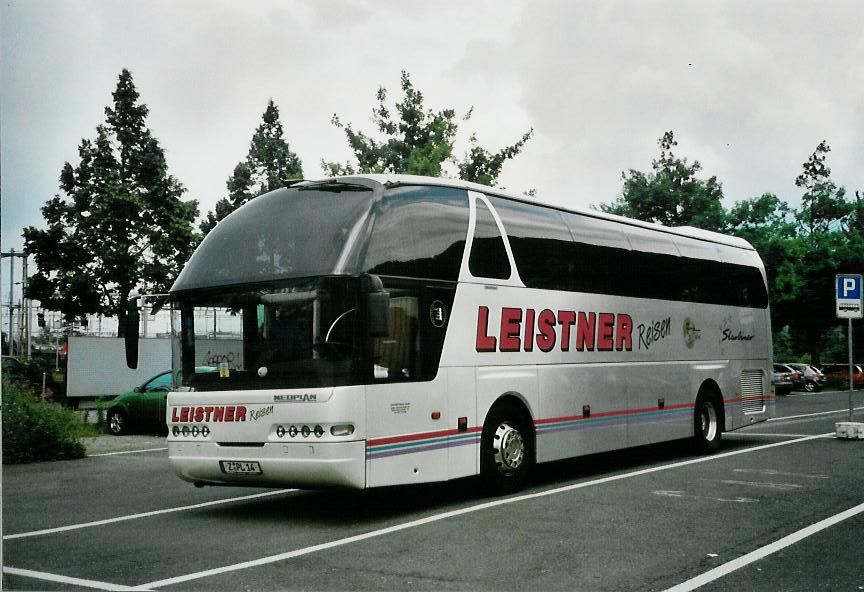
684, 494
126, 452
41, 575
843, 392
815, 414
748, 434
229, 500
776, 473
727, 568
453, 513
759, 484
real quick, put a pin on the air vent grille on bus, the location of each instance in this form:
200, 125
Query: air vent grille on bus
752, 391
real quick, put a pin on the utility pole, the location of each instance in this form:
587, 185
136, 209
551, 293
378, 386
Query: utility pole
11, 256
21, 307
28, 304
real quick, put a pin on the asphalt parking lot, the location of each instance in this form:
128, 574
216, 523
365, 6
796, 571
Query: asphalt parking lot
780, 507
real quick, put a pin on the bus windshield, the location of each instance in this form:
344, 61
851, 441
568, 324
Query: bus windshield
288, 334
290, 233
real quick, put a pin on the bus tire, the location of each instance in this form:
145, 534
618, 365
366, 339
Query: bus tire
707, 423
506, 449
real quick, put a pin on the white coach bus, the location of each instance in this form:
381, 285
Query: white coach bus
383, 330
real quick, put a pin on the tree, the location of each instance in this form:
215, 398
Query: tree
119, 223
418, 142
769, 225
671, 194
831, 242
268, 164
823, 203
481, 166
803, 250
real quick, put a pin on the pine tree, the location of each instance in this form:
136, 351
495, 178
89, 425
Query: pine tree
823, 205
268, 164
120, 223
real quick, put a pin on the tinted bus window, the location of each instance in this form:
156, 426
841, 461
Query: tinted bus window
419, 232
488, 256
270, 238
602, 251
599, 259
541, 244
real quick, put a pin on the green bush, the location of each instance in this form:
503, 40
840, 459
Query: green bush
34, 430
34, 367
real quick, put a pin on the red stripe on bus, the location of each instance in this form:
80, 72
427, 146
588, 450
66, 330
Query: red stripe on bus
624, 412
423, 436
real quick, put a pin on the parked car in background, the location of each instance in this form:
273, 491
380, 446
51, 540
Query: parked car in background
840, 373
782, 380
796, 376
144, 406
814, 380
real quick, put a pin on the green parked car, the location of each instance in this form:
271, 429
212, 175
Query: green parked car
144, 406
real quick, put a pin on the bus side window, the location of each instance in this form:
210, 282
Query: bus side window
396, 356
541, 244
419, 232
488, 257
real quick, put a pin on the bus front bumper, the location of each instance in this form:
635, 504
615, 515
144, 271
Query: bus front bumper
310, 466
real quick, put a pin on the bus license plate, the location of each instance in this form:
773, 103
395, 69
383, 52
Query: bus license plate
243, 467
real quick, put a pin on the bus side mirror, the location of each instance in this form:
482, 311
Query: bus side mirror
377, 301
132, 322
378, 314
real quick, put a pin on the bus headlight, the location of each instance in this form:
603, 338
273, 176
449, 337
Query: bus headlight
344, 429
186, 431
318, 430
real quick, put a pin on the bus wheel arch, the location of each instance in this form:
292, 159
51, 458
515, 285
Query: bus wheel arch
708, 418
507, 445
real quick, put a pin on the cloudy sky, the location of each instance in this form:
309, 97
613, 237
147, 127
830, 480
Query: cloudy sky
749, 88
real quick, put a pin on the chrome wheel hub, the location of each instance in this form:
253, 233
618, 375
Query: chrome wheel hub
709, 421
509, 448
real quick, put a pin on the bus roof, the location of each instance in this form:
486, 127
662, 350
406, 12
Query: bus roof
394, 180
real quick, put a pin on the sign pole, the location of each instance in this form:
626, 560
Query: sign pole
851, 385
849, 296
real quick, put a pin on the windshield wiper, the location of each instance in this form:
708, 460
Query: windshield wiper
333, 186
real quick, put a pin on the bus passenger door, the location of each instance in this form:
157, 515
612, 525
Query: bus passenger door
406, 403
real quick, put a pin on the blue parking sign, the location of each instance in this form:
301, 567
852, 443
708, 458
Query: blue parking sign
849, 290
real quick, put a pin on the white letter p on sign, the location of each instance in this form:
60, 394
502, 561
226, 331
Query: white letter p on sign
848, 286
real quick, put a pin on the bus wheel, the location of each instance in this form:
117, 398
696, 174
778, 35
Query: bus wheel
506, 450
707, 430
